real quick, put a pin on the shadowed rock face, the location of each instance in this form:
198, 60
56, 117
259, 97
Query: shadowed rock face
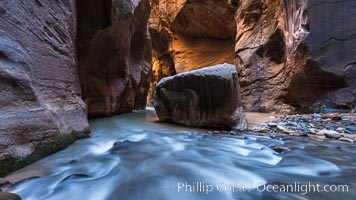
39, 88
114, 55
208, 97
296, 53
190, 34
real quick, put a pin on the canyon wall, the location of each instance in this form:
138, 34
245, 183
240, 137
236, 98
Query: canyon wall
296, 54
190, 34
41, 44
114, 55
39, 87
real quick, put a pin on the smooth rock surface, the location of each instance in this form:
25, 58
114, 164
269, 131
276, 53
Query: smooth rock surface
296, 54
114, 55
208, 97
39, 87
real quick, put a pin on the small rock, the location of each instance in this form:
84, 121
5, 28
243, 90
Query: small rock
313, 130
352, 129
329, 133
9, 196
341, 129
331, 136
319, 137
280, 149
263, 130
346, 140
4, 182
287, 131
272, 124
233, 133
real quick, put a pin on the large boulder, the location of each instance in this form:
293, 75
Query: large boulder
207, 97
114, 55
296, 54
39, 86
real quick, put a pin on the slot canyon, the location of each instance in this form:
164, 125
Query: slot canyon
139, 99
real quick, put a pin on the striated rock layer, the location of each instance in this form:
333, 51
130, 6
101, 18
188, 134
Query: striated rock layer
296, 54
39, 88
190, 34
114, 55
208, 97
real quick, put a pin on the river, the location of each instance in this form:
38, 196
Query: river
132, 156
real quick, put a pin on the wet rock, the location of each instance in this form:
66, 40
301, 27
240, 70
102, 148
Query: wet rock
208, 97
9, 196
3, 182
114, 55
319, 126
341, 129
287, 131
318, 137
346, 139
313, 130
351, 129
40, 97
289, 45
329, 133
263, 130
272, 124
279, 149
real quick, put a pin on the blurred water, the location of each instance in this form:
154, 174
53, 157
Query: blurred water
132, 156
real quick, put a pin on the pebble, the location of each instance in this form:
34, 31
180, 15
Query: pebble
313, 130
319, 126
319, 137
280, 149
352, 129
4, 182
264, 130
346, 140
329, 134
341, 129
284, 130
272, 124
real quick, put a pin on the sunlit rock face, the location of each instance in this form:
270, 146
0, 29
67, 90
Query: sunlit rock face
39, 87
207, 97
190, 34
114, 55
292, 54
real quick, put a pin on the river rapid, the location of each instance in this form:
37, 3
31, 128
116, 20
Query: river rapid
132, 156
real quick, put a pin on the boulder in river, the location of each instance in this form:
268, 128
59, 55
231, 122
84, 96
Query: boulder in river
207, 97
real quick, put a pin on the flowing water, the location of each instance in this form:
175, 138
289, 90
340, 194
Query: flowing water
132, 156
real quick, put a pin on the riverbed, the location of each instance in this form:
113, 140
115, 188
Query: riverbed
133, 156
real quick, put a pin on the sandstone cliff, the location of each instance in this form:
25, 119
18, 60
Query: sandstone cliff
114, 55
190, 34
39, 87
298, 54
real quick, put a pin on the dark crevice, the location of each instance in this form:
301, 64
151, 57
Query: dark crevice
275, 48
312, 82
